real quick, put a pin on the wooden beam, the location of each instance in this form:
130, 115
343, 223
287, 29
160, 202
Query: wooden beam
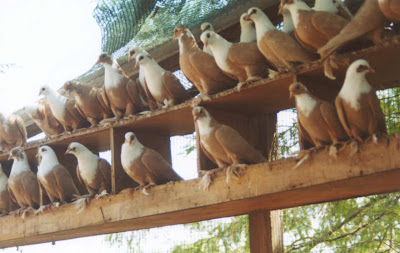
266, 231
374, 169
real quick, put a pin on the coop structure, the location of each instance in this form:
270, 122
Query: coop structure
264, 188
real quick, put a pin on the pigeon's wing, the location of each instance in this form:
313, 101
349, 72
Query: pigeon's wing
342, 115
245, 54
157, 165
305, 140
377, 114
330, 116
236, 145
174, 88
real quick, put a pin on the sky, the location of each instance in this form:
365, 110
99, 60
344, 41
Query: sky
49, 42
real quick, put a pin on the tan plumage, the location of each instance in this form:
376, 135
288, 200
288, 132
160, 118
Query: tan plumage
279, 48
64, 109
358, 106
222, 144
144, 165
92, 171
121, 93
391, 9
22, 183
12, 132
44, 118
368, 21
241, 61
160, 84
90, 101
199, 67
54, 178
313, 29
6, 203
318, 122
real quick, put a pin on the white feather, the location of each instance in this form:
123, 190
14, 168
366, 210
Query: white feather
57, 104
87, 162
288, 25
20, 165
48, 161
220, 49
294, 10
325, 5
112, 77
154, 77
129, 153
204, 125
355, 84
305, 103
3, 182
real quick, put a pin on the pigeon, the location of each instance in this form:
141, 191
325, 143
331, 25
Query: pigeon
391, 9
122, 93
207, 27
333, 6
40, 113
133, 52
54, 178
368, 23
22, 184
223, 145
63, 109
200, 68
161, 84
12, 132
358, 106
6, 203
313, 29
144, 165
92, 171
248, 31
318, 122
279, 48
90, 101
241, 61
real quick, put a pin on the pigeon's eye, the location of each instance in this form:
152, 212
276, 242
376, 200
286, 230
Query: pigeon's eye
175, 31
298, 87
254, 11
43, 89
208, 27
208, 35
43, 150
133, 52
141, 58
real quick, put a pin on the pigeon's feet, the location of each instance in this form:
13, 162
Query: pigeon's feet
43, 208
235, 170
22, 212
304, 155
207, 177
147, 187
81, 202
144, 112
109, 121
101, 194
17, 213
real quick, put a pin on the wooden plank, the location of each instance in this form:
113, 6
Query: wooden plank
266, 231
276, 185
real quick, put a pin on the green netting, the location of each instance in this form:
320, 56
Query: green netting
149, 23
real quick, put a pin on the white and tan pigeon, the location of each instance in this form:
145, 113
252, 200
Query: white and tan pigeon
22, 184
63, 109
223, 145
54, 179
241, 61
161, 84
12, 132
333, 6
358, 106
144, 165
207, 27
7, 205
247, 30
199, 67
280, 49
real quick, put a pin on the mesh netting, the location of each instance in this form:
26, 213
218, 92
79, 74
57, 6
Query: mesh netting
150, 23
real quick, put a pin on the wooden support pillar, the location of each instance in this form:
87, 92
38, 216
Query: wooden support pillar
266, 232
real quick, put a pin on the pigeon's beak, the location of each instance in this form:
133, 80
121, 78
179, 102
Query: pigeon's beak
371, 70
68, 151
280, 9
10, 157
195, 116
137, 64
98, 61
37, 155
291, 95
40, 92
205, 44
247, 17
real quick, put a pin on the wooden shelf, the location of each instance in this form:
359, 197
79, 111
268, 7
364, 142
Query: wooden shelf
264, 96
276, 185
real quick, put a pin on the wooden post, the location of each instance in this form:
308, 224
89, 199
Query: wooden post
266, 232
